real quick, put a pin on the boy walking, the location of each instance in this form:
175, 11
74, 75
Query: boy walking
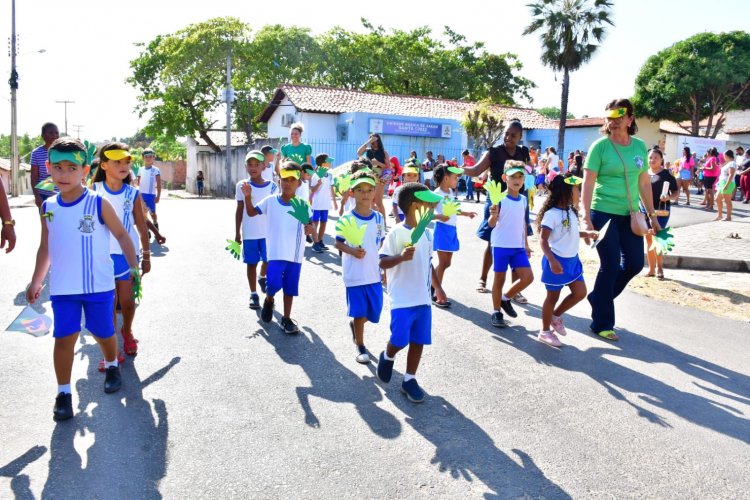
321, 186
149, 182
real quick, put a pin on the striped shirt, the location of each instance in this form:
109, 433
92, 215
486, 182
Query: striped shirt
39, 159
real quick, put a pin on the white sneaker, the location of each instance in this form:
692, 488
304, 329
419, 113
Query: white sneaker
362, 356
549, 338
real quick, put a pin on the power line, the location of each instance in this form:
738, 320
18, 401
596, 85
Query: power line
66, 112
77, 128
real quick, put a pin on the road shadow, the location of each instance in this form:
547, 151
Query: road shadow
122, 438
20, 483
330, 379
158, 250
328, 260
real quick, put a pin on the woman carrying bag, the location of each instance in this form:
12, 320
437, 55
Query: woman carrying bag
615, 179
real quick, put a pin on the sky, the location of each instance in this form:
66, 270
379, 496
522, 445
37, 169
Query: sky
89, 44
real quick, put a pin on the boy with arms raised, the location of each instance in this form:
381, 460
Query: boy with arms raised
409, 270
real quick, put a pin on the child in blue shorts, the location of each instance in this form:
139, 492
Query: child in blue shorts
285, 243
560, 235
510, 246
360, 264
149, 183
409, 270
75, 244
252, 231
322, 196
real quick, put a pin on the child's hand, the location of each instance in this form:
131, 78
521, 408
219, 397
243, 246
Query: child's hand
341, 210
470, 215
555, 266
33, 292
358, 253
408, 253
246, 189
238, 238
145, 266
308, 229
493, 209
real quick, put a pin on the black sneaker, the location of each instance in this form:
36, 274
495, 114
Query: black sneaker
323, 245
289, 325
385, 368
266, 314
413, 392
254, 301
317, 248
362, 356
497, 320
63, 409
112, 379
508, 308
308, 239
262, 283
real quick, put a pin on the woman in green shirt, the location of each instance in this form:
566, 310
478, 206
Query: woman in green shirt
296, 150
605, 198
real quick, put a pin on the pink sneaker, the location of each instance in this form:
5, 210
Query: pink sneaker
558, 326
549, 338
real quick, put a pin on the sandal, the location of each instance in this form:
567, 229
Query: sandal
660, 275
482, 287
129, 343
608, 334
120, 360
519, 299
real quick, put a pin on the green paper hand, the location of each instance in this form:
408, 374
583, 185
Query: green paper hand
451, 207
46, 185
663, 241
424, 217
348, 229
322, 171
495, 190
344, 183
90, 151
234, 249
300, 210
137, 289
48, 216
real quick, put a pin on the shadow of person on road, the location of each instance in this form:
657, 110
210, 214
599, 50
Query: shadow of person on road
20, 484
330, 380
122, 438
158, 250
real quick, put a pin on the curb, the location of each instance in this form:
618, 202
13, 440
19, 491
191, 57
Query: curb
705, 264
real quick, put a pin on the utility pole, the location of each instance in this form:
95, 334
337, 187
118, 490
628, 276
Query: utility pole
13, 81
229, 98
66, 112
77, 128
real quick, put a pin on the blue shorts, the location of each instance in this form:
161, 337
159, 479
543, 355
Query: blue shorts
513, 257
484, 231
685, 175
254, 251
572, 271
122, 269
411, 325
150, 201
365, 301
320, 216
283, 274
98, 307
445, 238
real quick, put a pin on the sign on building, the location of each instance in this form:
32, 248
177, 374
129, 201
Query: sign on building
415, 129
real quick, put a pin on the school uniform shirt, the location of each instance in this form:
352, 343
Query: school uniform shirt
510, 230
564, 237
123, 201
78, 243
303, 191
255, 228
287, 239
395, 200
450, 196
147, 182
268, 172
321, 199
364, 271
408, 282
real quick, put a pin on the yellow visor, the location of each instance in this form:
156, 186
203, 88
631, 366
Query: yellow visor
284, 173
117, 154
617, 112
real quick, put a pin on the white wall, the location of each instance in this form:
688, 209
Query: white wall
318, 126
275, 130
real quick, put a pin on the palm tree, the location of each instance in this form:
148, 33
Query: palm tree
570, 32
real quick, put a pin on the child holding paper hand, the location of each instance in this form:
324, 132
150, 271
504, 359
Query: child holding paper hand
75, 248
446, 212
560, 236
321, 187
289, 218
406, 256
253, 231
510, 246
359, 234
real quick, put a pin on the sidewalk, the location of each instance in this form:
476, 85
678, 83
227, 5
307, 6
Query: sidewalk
712, 246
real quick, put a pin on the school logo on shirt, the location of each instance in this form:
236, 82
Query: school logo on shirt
638, 162
127, 205
86, 225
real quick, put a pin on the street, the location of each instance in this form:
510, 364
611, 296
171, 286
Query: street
220, 405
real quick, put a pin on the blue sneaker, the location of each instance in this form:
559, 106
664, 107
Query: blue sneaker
262, 282
413, 392
317, 248
385, 368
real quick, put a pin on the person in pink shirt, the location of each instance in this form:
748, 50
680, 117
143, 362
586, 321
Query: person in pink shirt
711, 171
686, 172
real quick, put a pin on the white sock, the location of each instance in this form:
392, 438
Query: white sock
262, 277
504, 297
253, 294
385, 355
65, 388
107, 364
408, 377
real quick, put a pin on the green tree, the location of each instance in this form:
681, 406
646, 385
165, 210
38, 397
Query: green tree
701, 77
26, 145
552, 112
570, 32
179, 76
483, 126
168, 148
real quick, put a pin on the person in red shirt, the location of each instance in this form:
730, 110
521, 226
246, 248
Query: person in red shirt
397, 171
469, 161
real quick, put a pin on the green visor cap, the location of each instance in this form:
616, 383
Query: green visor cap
363, 180
330, 160
428, 196
573, 181
456, 170
255, 154
77, 157
514, 170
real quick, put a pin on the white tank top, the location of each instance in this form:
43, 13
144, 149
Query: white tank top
78, 243
123, 202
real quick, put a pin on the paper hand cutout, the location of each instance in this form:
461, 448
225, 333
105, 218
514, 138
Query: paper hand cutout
348, 229
300, 210
46, 185
495, 190
234, 248
663, 241
322, 171
48, 216
344, 183
451, 207
424, 217
137, 290
90, 151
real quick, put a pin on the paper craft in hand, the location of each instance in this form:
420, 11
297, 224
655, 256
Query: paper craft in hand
343, 183
300, 210
663, 241
495, 190
348, 229
424, 217
321, 172
234, 248
451, 207
31, 322
90, 151
137, 290
46, 185
602, 232
48, 215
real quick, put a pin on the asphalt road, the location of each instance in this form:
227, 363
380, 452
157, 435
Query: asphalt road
218, 405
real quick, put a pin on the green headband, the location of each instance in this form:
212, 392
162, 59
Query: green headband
77, 157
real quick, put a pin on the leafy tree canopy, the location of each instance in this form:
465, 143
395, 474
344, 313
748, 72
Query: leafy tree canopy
552, 112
